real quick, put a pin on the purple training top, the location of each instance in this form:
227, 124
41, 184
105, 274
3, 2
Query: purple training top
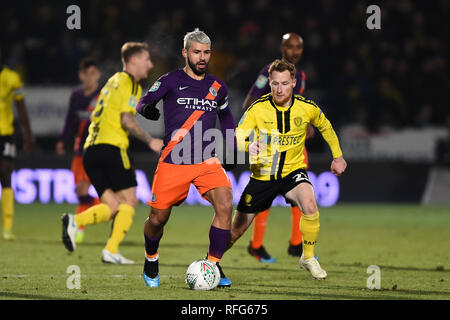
192, 105
261, 85
78, 117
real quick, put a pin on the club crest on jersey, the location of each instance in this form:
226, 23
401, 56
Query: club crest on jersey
213, 91
298, 121
248, 199
155, 86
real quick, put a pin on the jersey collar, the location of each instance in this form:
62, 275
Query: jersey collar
277, 107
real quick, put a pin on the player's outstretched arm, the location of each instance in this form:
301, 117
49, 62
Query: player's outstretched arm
338, 166
128, 121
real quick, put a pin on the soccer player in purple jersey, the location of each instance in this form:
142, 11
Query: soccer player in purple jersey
82, 101
192, 99
291, 51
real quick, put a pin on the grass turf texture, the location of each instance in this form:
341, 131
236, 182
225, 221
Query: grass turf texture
411, 245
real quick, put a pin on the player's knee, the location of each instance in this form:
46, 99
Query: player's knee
225, 208
309, 207
157, 220
113, 205
132, 201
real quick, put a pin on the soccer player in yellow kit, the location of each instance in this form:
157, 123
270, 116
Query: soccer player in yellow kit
291, 50
11, 90
279, 120
106, 158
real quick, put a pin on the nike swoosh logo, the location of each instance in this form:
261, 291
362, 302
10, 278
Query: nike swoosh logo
182, 88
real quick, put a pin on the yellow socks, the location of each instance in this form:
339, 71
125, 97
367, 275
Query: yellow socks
93, 215
121, 224
7, 204
309, 225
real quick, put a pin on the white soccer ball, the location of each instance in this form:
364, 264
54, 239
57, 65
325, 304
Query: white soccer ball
202, 275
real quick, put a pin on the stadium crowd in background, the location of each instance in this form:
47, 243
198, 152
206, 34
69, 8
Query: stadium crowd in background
389, 78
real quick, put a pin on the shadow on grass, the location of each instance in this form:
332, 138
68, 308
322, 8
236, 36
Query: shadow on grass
26, 296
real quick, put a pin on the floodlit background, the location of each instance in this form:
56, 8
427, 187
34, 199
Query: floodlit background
383, 90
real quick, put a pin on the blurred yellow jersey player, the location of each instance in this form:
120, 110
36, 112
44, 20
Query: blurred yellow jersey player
106, 158
120, 94
11, 90
282, 130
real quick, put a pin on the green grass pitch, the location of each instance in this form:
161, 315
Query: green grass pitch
410, 244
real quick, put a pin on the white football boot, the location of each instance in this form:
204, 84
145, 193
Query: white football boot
313, 266
69, 231
116, 258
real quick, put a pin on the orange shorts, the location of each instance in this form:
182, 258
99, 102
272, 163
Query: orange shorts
78, 170
171, 182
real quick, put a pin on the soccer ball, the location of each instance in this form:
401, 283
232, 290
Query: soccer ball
202, 275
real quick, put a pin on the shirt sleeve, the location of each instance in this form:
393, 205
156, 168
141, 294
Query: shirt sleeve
69, 122
128, 99
156, 92
324, 126
226, 119
261, 86
246, 125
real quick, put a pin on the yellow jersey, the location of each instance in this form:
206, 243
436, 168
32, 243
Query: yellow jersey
282, 131
11, 89
120, 94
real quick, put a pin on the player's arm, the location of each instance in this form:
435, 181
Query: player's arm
259, 88
324, 126
147, 104
248, 101
246, 126
67, 128
28, 139
128, 121
228, 127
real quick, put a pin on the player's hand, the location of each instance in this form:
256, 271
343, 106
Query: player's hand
256, 147
151, 112
60, 148
338, 166
28, 143
156, 145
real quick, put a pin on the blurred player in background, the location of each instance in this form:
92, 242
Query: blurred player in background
82, 101
106, 158
11, 90
193, 99
291, 50
279, 122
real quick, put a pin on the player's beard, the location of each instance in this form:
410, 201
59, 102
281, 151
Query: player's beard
194, 68
283, 100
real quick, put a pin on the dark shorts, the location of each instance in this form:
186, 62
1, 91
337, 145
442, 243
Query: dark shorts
258, 195
7, 148
109, 167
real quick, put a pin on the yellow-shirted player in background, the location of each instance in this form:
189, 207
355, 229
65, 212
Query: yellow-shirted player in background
279, 121
106, 158
11, 90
